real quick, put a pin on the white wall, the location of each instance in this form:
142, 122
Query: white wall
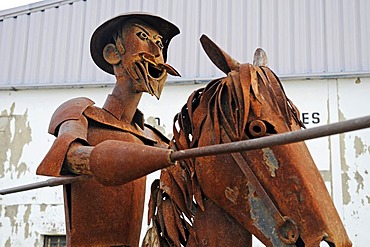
24, 118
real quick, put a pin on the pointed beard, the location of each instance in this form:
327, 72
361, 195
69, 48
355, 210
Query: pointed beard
154, 86
148, 79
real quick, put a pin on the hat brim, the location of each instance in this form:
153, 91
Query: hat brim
103, 35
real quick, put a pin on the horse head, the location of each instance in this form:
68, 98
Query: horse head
274, 193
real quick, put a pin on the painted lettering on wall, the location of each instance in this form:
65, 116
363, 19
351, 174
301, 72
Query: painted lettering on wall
310, 117
306, 118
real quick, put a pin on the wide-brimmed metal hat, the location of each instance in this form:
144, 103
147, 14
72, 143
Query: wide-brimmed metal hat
103, 35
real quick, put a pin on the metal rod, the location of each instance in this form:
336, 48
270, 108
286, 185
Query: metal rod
47, 183
274, 140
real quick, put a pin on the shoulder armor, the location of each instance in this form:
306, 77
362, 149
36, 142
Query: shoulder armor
69, 110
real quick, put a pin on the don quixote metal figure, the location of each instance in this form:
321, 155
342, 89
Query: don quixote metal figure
106, 207
237, 174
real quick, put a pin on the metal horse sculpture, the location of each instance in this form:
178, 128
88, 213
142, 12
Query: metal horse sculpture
276, 193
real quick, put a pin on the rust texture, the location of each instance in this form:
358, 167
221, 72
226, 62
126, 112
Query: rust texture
104, 145
275, 192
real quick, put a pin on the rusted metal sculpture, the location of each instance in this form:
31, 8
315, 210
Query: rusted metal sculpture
275, 193
100, 209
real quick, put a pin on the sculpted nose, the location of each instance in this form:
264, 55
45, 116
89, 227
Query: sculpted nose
154, 48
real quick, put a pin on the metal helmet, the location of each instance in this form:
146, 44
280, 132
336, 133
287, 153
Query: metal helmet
103, 35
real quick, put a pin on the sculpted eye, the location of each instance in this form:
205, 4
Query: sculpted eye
159, 43
142, 35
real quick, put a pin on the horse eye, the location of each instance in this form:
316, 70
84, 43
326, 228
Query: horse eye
142, 35
159, 43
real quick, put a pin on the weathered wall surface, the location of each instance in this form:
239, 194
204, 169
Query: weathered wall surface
342, 159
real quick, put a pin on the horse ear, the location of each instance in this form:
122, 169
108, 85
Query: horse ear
260, 58
219, 57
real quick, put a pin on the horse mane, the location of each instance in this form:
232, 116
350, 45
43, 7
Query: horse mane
224, 106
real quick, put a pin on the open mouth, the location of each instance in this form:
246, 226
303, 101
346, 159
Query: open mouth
148, 67
151, 70
150, 75
154, 71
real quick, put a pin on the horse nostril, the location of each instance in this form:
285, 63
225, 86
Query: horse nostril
288, 232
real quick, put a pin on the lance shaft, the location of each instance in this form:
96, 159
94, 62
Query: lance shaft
274, 140
47, 183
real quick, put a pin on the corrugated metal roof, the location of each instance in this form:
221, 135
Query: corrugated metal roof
47, 43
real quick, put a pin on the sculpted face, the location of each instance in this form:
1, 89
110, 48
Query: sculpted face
142, 58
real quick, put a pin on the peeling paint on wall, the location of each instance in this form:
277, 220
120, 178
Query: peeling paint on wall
11, 212
345, 177
8, 243
360, 181
26, 221
354, 174
359, 146
327, 176
5, 137
37, 243
15, 133
43, 207
345, 191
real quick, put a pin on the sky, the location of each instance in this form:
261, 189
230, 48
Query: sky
7, 4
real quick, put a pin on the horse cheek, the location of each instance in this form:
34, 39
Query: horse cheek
222, 181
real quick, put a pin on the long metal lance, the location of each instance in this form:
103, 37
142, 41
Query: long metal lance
274, 140
47, 183
232, 147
